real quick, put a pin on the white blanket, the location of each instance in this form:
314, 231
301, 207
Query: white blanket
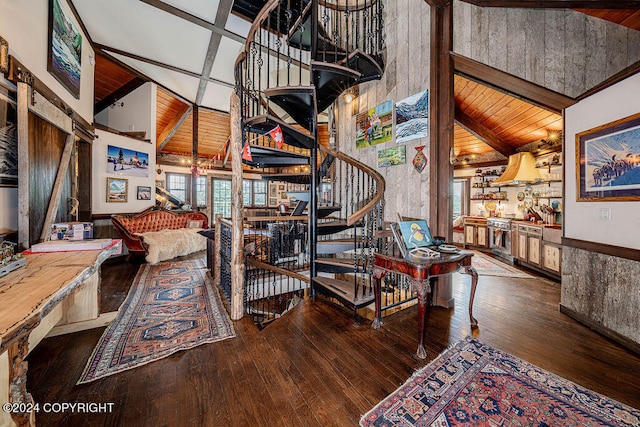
168, 244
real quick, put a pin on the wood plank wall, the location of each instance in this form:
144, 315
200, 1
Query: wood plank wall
563, 50
46, 143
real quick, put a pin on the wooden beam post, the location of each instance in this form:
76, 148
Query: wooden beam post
56, 193
237, 253
441, 121
23, 166
194, 159
441, 134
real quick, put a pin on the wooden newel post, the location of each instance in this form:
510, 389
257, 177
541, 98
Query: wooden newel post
237, 253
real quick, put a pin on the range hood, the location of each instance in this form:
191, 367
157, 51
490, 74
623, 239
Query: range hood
521, 169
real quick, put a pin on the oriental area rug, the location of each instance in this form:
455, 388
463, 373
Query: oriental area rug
472, 384
171, 306
488, 266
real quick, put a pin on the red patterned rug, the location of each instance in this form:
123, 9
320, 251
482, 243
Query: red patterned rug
170, 307
472, 384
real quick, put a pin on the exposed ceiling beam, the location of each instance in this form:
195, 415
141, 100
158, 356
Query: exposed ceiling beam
161, 65
483, 133
563, 4
194, 19
515, 86
129, 87
224, 8
173, 126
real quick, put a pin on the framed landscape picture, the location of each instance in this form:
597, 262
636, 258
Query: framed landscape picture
144, 193
412, 117
122, 161
65, 47
608, 161
392, 156
117, 190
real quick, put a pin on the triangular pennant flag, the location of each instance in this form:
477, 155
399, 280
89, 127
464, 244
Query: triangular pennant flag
277, 136
246, 153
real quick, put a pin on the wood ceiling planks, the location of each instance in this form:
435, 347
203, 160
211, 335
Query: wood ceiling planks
213, 128
109, 77
512, 120
625, 17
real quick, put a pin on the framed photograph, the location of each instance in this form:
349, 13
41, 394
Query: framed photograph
273, 189
122, 161
65, 47
117, 190
608, 161
281, 187
144, 193
273, 201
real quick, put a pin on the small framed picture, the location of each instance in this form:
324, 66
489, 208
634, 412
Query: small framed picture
117, 190
144, 193
281, 187
273, 201
160, 183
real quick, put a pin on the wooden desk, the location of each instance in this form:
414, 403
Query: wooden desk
420, 271
53, 289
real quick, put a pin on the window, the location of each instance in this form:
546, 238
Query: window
460, 197
260, 193
247, 192
221, 197
201, 191
177, 185
254, 193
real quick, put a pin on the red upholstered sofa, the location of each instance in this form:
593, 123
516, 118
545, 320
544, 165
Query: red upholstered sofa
129, 226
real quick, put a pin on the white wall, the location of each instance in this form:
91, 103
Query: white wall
24, 24
102, 170
582, 221
137, 114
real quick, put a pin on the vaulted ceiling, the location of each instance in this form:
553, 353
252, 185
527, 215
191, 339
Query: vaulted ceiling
189, 47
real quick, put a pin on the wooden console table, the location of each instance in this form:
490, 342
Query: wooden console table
53, 289
420, 271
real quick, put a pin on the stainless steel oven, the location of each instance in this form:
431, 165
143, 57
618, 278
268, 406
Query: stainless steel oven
500, 237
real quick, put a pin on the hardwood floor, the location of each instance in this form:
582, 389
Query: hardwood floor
312, 367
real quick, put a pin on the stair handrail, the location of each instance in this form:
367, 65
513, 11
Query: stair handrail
253, 261
379, 179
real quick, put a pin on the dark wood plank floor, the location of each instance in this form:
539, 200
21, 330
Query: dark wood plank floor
312, 367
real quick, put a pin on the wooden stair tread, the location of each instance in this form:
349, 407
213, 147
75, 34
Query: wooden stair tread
343, 290
264, 123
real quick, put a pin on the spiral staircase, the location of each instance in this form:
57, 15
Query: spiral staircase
299, 57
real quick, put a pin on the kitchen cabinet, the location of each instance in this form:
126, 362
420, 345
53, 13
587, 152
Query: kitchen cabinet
529, 244
552, 250
475, 232
551, 257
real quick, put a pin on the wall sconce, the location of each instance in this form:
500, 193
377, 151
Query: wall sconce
4, 56
351, 94
117, 104
452, 156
